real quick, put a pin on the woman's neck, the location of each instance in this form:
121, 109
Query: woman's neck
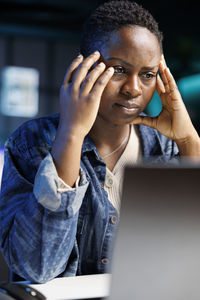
108, 137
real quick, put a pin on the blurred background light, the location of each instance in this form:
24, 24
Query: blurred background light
154, 107
190, 88
19, 92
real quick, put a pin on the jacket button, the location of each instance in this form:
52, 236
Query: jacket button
109, 182
113, 220
105, 261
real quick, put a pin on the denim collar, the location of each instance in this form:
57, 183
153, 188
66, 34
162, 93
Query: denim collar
89, 146
151, 144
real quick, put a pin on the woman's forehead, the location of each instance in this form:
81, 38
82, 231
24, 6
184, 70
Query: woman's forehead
133, 43
133, 36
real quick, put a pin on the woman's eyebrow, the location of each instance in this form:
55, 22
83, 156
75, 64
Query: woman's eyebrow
121, 60
150, 68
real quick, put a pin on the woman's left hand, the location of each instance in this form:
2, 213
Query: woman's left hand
173, 121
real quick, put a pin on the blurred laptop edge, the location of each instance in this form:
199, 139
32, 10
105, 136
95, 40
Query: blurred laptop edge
157, 251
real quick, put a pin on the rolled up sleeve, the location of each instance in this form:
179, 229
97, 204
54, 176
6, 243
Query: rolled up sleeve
47, 189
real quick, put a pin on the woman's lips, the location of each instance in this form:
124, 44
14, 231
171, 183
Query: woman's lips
128, 108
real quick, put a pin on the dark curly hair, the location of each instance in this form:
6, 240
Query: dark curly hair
112, 16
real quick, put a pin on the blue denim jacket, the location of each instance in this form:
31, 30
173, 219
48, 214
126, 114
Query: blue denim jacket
46, 234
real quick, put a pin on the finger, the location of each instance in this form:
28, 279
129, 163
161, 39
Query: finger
173, 89
145, 120
84, 68
164, 78
74, 65
163, 66
101, 83
175, 94
91, 79
161, 90
160, 86
164, 61
170, 79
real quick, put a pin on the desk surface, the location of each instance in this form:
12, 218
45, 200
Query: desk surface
79, 287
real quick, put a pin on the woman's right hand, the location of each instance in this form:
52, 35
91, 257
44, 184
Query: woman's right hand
81, 94
79, 104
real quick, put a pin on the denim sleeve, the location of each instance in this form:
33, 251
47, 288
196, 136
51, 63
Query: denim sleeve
37, 223
46, 189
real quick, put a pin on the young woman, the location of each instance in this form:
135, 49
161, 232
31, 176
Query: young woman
61, 185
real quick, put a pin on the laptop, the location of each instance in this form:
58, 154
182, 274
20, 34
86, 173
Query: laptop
157, 250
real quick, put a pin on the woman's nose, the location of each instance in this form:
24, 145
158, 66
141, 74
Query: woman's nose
132, 87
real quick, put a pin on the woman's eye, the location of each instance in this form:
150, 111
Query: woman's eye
148, 75
119, 70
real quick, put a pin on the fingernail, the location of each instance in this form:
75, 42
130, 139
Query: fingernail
96, 53
110, 69
101, 65
80, 56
